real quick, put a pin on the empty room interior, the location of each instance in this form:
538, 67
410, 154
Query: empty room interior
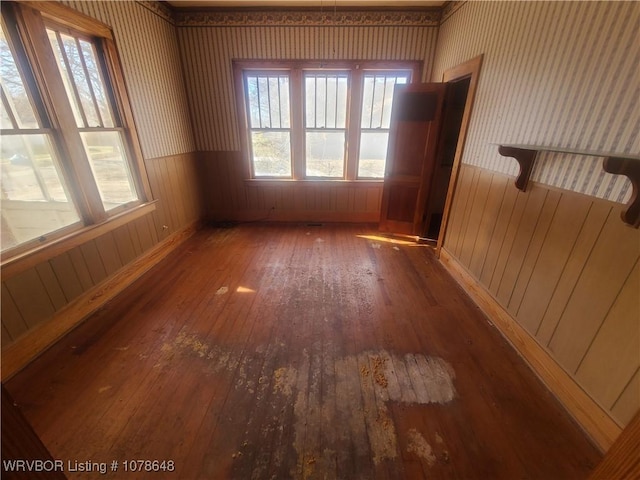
337, 239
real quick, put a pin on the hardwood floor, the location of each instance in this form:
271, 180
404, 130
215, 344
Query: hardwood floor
298, 352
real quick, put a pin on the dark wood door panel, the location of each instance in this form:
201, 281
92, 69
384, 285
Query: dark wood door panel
413, 143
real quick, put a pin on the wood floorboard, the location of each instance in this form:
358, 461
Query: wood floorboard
295, 351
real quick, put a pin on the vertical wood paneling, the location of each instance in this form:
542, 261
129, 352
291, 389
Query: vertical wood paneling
51, 285
578, 257
557, 74
567, 269
506, 242
67, 276
618, 337
93, 262
12, 320
456, 223
489, 219
513, 253
531, 256
480, 195
563, 231
496, 240
231, 198
80, 267
5, 337
626, 406
603, 275
108, 253
124, 244
30, 297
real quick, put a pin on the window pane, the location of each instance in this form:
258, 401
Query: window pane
110, 168
268, 101
71, 95
15, 102
325, 154
373, 154
97, 83
325, 100
271, 154
79, 78
377, 99
34, 199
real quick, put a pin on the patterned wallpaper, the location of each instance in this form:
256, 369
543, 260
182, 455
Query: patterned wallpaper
148, 48
562, 74
209, 50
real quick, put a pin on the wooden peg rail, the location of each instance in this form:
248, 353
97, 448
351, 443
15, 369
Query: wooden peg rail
627, 165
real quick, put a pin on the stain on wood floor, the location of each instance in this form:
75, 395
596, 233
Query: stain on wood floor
273, 352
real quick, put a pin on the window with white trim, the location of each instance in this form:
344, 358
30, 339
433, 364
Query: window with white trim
69, 153
306, 122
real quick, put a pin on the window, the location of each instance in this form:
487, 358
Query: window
325, 123
329, 123
377, 99
102, 137
270, 124
69, 154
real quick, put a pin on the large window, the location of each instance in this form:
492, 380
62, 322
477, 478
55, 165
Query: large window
69, 154
329, 123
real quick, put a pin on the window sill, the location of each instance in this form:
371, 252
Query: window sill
23, 261
290, 182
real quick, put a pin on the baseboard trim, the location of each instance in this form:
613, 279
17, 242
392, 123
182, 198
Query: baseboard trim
595, 421
28, 347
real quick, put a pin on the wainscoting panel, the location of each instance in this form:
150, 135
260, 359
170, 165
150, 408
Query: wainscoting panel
565, 267
230, 197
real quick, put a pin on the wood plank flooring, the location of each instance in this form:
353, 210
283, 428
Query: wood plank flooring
298, 351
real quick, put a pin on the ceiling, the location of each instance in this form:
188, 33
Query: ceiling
302, 3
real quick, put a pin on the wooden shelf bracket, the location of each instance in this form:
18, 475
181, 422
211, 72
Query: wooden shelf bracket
525, 158
631, 169
629, 166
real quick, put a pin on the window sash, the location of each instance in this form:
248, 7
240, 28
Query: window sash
377, 102
268, 100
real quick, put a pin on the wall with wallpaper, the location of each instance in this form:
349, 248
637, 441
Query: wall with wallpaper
557, 258
209, 42
563, 74
149, 52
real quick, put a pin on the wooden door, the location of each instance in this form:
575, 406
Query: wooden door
411, 157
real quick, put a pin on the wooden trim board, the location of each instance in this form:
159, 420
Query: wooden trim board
601, 428
33, 343
470, 68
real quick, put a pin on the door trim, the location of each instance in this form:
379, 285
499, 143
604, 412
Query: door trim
470, 68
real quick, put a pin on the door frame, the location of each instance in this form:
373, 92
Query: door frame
469, 69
